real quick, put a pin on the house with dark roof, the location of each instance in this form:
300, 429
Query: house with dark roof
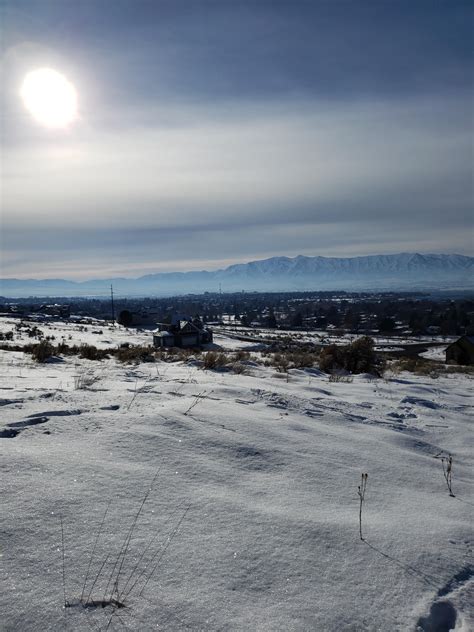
182, 332
461, 351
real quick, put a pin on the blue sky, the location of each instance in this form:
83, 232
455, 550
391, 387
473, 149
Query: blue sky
214, 132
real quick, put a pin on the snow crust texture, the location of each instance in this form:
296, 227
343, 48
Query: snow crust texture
240, 494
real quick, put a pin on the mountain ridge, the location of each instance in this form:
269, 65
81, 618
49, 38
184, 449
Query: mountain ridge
403, 271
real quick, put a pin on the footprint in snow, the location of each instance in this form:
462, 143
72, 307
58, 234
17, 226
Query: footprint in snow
442, 618
30, 421
8, 402
57, 413
443, 615
14, 429
418, 401
8, 433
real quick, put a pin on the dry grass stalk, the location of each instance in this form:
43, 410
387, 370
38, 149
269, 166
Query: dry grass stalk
361, 492
447, 463
197, 398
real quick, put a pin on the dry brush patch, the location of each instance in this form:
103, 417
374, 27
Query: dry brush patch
340, 378
222, 361
283, 361
428, 368
214, 360
176, 354
135, 355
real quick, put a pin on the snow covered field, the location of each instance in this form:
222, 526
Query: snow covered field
229, 502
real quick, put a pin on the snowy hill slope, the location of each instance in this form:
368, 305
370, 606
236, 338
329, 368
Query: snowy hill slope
252, 519
393, 272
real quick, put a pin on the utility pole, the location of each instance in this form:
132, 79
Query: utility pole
112, 299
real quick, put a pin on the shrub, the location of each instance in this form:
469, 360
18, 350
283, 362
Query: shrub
242, 355
135, 354
285, 360
419, 366
358, 357
42, 351
303, 359
84, 380
62, 349
331, 359
24, 348
281, 362
339, 377
34, 332
175, 354
213, 360
89, 352
361, 357
238, 367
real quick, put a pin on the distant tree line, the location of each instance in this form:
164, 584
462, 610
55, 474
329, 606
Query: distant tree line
359, 313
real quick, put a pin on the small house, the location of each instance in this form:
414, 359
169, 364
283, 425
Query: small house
461, 351
163, 339
182, 332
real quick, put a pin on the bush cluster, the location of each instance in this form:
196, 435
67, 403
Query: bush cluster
290, 345
218, 360
89, 352
301, 359
358, 357
419, 366
135, 354
280, 361
242, 356
175, 354
215, 360
34, 332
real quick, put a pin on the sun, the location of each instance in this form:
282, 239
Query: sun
49, 97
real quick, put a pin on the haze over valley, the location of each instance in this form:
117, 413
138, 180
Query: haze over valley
405, 271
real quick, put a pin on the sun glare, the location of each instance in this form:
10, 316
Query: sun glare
49, 97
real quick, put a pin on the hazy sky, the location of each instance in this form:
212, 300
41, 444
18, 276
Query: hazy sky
213, 132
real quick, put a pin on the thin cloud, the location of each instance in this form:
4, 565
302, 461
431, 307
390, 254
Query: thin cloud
221, 132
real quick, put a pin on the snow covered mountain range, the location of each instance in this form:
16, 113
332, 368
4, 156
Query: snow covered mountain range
405, 271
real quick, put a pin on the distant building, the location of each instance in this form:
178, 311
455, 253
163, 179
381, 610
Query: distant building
14, 309
461, 351
60, 311
181, 332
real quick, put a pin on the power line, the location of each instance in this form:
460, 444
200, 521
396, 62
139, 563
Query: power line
112, 300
